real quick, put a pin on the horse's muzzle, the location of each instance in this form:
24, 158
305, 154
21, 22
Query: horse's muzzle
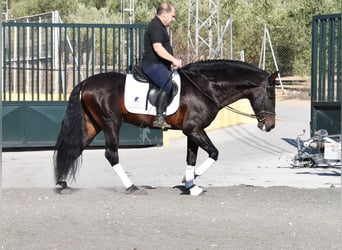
267, 124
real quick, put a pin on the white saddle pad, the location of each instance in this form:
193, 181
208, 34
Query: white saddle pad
136, 94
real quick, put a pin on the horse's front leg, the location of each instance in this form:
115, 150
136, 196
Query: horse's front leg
195, 140
191, 157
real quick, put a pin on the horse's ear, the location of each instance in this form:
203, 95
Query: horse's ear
272, 77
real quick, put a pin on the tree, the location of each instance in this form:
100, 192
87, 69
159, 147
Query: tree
288, 21
22, 8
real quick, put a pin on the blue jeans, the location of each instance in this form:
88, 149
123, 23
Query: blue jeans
159, 75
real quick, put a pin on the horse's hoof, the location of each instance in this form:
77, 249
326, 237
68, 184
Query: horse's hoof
63, 189
196, 191
135, 190
63, 184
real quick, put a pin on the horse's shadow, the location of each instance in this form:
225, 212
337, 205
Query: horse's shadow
290, 141
333, 173
184, 190
67, 190
247, 137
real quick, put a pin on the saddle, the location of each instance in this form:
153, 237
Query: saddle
154, 90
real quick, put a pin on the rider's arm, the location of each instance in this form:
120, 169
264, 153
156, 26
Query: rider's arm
162, 52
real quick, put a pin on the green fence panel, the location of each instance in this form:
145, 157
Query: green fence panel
42, 62
36, 124
326, 73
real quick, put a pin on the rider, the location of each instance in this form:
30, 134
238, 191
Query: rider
158, 58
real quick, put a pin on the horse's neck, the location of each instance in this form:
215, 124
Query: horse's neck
221, 90
230, 93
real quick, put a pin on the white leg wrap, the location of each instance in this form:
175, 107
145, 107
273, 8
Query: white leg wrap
204, 166
196, 190
189, 176
122, 175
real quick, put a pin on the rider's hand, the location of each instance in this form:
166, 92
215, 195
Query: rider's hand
177, 63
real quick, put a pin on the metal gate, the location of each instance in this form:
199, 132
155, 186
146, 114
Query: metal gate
326, 78
42, 62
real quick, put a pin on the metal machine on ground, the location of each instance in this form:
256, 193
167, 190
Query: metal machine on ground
321, 150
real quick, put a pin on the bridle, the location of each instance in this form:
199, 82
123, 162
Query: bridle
261, 116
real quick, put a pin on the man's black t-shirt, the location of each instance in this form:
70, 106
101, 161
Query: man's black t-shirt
156, 33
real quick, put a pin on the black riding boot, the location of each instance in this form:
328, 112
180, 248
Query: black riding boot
162, 102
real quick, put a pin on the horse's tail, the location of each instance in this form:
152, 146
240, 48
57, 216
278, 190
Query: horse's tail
69, 145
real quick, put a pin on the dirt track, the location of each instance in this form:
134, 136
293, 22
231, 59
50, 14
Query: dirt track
237, 217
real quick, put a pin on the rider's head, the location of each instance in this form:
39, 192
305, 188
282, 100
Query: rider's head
166, 13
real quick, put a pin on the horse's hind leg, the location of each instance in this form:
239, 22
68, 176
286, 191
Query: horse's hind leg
89, 134
112, 155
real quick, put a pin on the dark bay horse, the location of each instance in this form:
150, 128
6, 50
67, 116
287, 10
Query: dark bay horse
97, 103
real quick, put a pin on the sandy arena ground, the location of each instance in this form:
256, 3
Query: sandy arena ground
254, 198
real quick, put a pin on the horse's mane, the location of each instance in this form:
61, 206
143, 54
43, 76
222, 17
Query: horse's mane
218, 64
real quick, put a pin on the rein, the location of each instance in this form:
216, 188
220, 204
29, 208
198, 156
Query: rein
260, 116
240, 112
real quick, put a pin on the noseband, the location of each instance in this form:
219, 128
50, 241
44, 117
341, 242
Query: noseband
261, 116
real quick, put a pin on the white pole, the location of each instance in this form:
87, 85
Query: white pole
55, 48
27, 75
38, 56
231, 36
14, 58
1, 96
220, 38
189, 31
274, 60
210, 32
196, 31
262, 52
242, 55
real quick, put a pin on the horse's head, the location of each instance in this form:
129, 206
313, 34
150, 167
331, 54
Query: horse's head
263, 103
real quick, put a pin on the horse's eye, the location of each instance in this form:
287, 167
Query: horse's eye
270, 91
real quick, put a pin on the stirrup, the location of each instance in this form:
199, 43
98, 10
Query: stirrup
159, 122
